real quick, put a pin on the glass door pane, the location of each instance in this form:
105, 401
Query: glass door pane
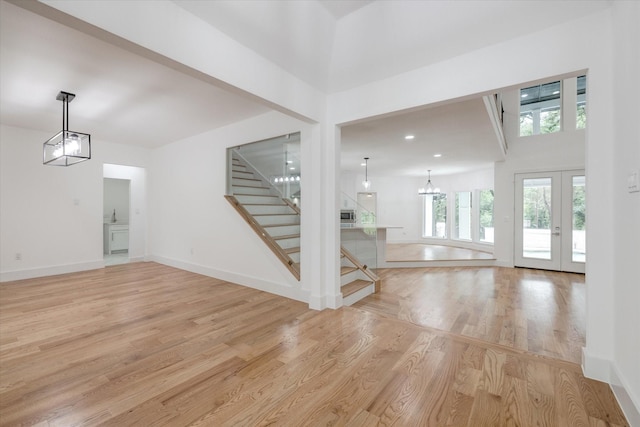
578, 220
536, 218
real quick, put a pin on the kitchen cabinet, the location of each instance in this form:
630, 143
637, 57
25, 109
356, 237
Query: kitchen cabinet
116, 237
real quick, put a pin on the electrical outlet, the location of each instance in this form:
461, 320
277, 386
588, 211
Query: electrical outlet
18, 256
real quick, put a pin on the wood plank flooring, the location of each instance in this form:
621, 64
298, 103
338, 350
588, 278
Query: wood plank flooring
398, 252
538, 311
145, 344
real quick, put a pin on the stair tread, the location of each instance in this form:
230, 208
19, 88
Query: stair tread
292, 250
353, 287
286, 236
280, 225
275, 214
263, 204
255, 195
249, 186
346, 270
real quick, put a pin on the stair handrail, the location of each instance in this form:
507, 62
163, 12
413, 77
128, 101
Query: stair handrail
266, 238
362, 267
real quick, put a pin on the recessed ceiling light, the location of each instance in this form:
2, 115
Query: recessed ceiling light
292, 168
363, 164
524, 95
409, 137
289, 162
437, 155
556, 92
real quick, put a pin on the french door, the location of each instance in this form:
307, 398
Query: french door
550, 221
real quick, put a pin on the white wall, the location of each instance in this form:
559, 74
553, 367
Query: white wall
625, 140
399, 204
51, 216
195, 228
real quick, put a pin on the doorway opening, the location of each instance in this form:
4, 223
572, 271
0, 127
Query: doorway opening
116, 197
125, 236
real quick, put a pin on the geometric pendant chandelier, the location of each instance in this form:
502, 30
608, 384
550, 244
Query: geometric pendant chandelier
429, 189
66, 148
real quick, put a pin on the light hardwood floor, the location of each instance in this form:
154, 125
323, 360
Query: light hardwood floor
144, 344
534, 310
396, 252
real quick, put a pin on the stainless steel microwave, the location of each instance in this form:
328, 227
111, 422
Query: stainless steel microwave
347, 216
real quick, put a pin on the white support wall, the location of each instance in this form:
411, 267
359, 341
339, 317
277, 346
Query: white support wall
52, 216
625, 228
196, 229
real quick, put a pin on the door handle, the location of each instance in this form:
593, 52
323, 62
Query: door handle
557, 232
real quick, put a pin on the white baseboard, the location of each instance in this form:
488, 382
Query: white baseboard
329, 301
606, 371
629, 403
32, 273
505, 264
595, 368
280, 289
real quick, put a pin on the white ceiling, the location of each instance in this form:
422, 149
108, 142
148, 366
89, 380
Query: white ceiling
461, 132
120, 97
332, 45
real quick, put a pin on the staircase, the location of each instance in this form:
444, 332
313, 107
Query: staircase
277, 222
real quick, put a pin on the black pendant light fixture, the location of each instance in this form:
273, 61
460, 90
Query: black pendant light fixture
66, 147
429, 189
366, 183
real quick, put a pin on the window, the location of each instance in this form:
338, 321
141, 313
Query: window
540, 109
462, 230
581, 113
435, 216
486, 215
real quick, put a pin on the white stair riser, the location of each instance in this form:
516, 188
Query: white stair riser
357, 296
277, 219
246, 182
351, 276
289, 243
251, 190
282, 231
295, 256
240, 168
268, 209
266, 200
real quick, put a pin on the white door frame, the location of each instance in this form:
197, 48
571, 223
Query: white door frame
561, 228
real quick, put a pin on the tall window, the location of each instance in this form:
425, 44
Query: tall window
540, 109
581, 113
486, 215
462, 230
435, 216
